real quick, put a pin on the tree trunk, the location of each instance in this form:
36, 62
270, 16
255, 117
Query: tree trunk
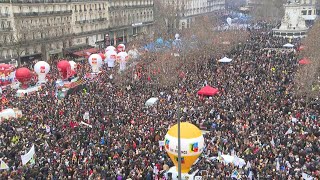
19, 60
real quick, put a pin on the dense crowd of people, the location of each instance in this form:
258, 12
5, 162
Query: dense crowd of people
251, 116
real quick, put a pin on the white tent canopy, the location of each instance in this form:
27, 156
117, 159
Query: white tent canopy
288, 45
10, 113
225, 60
152, 101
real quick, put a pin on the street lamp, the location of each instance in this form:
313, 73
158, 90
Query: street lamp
179, 142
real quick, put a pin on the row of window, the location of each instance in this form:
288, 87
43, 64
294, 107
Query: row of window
310, 12
91, 16
132, 3
35, 35
42, 8
45, 21
88, 7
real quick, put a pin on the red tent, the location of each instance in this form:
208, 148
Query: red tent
208, 91
304, 61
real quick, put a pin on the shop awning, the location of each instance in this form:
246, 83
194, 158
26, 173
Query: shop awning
86, 52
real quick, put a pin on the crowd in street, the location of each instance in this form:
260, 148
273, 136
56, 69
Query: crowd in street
257, 115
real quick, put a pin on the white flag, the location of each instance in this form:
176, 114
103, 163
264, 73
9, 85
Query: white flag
86, 124
289, 131
272, 143
278, 165
3, 165
307, 176
250, 176
27, 157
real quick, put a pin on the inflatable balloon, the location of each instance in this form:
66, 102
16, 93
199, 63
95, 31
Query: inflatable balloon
192, 145
110, 48
23, 75
122, 58
42, 68
121, 48
229, 21
95, 61
64, 69
74, 67
6, 74
111, 57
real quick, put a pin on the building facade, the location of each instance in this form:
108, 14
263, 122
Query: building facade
41, 28
193, 8
309, 10
181, 13
130, 19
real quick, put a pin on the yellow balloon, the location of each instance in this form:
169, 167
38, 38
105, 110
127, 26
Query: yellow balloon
192, 145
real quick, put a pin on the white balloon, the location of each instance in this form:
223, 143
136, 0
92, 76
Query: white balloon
122, 57
229, 21
110, 48
111, 57
73, 65
95, 61
42, 68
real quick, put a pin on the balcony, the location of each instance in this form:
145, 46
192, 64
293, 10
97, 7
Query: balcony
48, 13
113, 8
6, 29
91, 21
43, 1
4, 15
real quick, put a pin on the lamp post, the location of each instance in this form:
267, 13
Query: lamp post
179, 142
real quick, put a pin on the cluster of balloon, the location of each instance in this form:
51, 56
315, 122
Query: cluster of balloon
121, 48
64, 69
95, 62
23, 75
192, 145
6, 74
111, 57
42, 68
122, 58
73, 66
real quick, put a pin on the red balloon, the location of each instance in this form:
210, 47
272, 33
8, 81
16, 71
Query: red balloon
23, 75
102, 56
64, 69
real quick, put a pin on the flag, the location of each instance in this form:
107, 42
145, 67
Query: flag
27, 157
220, 158
289, 131
278, 165
272, 142
307, 176
3, 165
248, 166
236, 175
250, 175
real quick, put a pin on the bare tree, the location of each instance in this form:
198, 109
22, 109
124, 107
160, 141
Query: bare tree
268, 10
166, 17
19, 41
308, 76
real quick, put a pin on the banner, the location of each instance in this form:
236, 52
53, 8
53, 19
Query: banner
3, 165
29, 156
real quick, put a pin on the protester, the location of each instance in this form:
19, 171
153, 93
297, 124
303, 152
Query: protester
257, 115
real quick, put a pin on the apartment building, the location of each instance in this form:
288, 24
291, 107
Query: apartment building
310, 10
41, 28
32, 28
130, 19
193, 8
186, 11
